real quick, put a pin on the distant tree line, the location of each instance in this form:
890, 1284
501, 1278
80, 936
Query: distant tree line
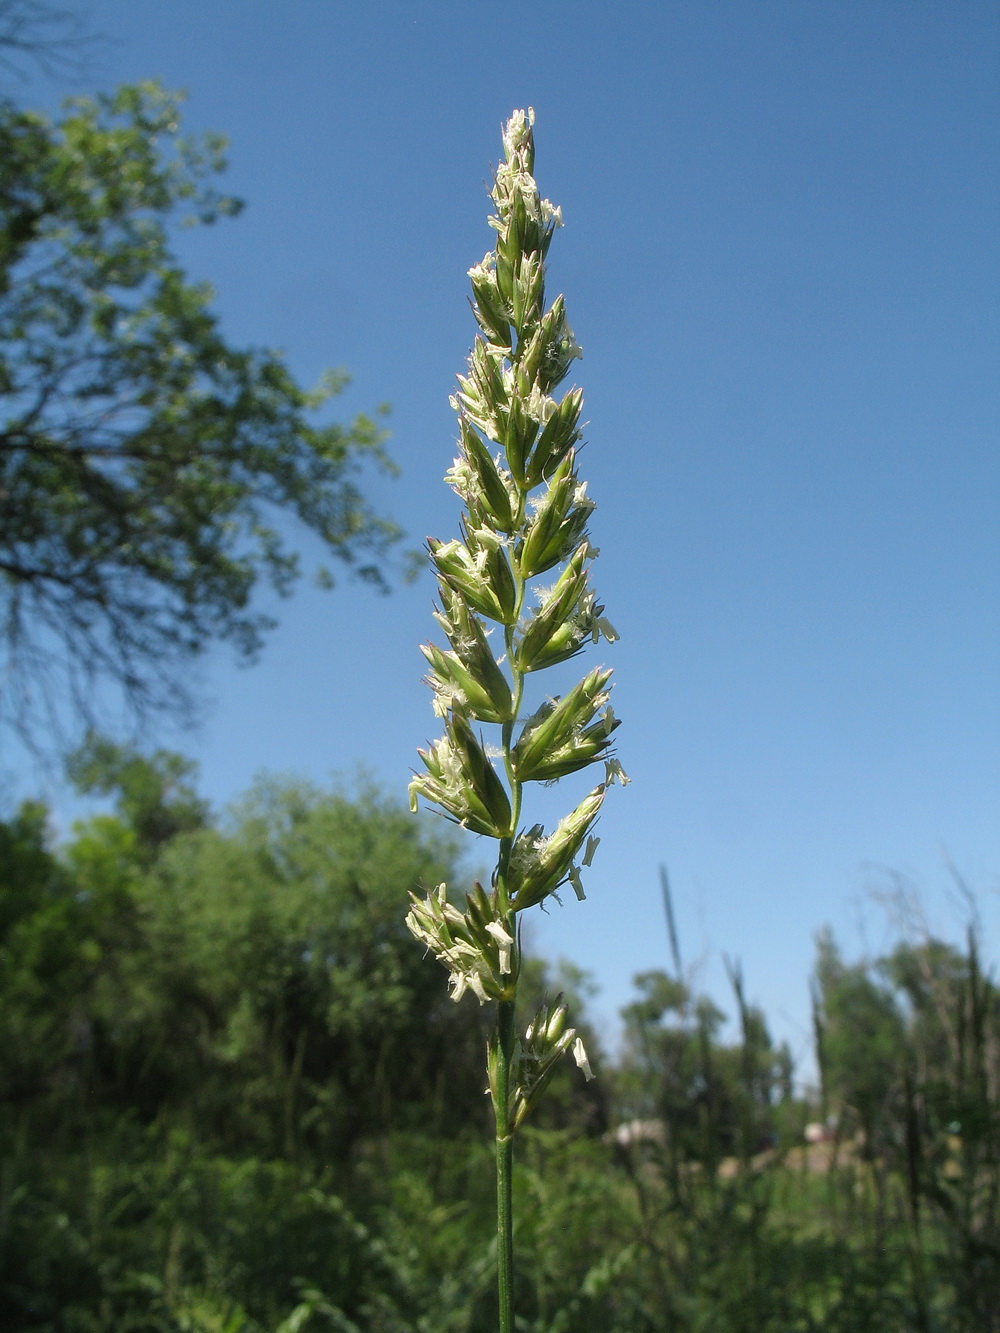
234, 1096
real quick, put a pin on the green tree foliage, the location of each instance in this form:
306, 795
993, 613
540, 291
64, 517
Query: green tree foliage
254, 981
713, 1100
297, 984
65, 926
859, 1036
909, 1050
154, 798
143, 459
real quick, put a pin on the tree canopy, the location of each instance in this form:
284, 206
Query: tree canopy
255, 975
145, 462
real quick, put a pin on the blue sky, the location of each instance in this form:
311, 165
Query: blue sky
780, 259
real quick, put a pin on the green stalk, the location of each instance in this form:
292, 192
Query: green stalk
505, 1166
505, 1030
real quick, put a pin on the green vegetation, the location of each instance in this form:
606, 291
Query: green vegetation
234, 1097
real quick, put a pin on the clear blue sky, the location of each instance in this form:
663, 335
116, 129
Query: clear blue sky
780, 258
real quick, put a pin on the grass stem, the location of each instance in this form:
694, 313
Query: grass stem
505, 1166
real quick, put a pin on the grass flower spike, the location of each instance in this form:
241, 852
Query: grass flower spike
526, 514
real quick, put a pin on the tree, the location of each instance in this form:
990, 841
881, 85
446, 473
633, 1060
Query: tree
155, 800
860, 1040
254, 980
305, 1004
65, 923
144, 462
714, 1100
909, 1050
